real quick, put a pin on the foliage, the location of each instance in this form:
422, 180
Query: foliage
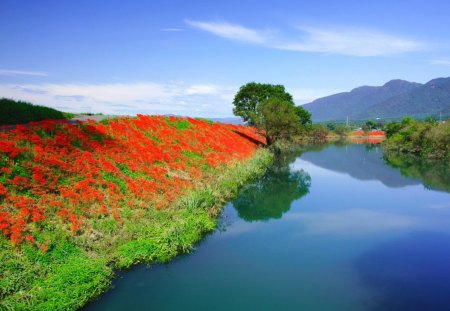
252, 94
277, 119
369, 125
341, 130
271, 109
75, 197
19, 112
303, 115
423, 139
318, 132
331, 126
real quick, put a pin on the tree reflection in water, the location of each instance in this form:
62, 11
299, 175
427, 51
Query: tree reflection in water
273, 194
434, 174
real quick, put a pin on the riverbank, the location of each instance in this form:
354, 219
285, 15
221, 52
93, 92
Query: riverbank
79, 201
335, 214
423, 139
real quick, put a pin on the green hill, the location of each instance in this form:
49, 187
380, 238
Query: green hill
395, 99
430, 99
18, 112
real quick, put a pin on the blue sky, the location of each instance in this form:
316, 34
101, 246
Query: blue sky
190, 57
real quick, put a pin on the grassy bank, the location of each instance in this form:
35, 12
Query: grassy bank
19, 112
129, 191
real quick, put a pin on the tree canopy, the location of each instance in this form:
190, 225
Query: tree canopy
251, 95
270, 108
278, 119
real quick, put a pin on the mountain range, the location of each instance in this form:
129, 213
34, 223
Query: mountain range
395, 99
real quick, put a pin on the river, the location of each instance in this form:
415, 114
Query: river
327, 228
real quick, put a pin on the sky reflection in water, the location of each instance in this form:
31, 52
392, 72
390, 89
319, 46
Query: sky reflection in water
335, 229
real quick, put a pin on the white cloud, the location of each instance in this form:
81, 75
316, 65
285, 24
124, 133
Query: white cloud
441, 61
230, 31
351, 222
172, 29
8, 72
202, 100
345, 41
351, 42
202, 89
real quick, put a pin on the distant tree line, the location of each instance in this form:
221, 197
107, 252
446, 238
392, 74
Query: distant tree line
18, 112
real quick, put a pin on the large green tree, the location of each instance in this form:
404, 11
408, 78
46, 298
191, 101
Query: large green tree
277, 119
251, 95
303, 115
270, 108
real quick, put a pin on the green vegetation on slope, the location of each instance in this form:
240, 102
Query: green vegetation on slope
420, 150
425, 139
67, 276
19, 112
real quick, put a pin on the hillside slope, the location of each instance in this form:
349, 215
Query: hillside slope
353, 104
78, 200
395, 99
431, 98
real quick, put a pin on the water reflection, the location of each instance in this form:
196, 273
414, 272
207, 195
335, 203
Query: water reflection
272, 195
346, 245
363, 162
356, 222
434, 174
410, 273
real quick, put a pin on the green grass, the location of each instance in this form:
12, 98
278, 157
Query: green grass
64, 278
19, 112
77, 269
205, 120
180, 124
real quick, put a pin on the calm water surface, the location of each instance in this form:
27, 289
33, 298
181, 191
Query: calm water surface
331, 229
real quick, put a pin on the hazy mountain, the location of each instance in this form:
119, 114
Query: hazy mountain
428, 99
396, 98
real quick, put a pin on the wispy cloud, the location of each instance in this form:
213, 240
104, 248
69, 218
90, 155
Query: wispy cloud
441, 61
9, 72
351, 42
182, 98
345, 41
172, 29
231, 31
203, 100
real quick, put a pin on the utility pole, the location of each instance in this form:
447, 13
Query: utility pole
347, 122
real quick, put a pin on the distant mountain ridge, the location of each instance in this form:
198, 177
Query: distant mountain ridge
395, 99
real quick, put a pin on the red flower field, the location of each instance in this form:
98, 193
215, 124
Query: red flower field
58, 174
